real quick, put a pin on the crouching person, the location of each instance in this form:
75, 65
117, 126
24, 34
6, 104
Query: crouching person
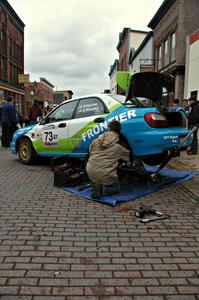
105, 153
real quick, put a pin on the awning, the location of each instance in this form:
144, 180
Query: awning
11, 90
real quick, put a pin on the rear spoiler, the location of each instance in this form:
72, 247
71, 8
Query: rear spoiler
123, 79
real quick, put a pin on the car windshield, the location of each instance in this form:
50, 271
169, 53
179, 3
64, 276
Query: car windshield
134, 102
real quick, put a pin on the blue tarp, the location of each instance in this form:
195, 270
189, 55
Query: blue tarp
138, 189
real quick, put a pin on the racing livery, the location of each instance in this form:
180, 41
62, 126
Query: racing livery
71, 127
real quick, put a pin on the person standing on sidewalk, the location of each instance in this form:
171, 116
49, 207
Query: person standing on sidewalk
193, 119
9, 122
35, 112
105, 153
185, 104
178, 108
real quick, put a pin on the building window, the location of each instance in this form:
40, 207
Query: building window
173, 46
159, 57
194, 94
3, 40
165, 60
3, 68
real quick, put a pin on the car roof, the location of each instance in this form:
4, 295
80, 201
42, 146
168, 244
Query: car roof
102, 95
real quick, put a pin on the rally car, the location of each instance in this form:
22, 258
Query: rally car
150, 133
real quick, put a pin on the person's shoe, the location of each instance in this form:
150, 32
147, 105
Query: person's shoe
97, 191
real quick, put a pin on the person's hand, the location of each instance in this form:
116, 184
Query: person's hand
18, 126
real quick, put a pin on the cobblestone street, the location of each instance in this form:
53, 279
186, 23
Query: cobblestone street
57, 246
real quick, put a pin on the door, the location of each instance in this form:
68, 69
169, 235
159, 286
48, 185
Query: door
86, 124
54, 132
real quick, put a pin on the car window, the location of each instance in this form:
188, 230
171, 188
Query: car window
89, 107
136, 102
63, 112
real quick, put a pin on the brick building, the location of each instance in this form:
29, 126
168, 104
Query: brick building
129, 41
60, 96
41, 91
174, 20
11, 55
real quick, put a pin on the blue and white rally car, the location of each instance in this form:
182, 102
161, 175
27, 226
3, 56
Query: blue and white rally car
71, 127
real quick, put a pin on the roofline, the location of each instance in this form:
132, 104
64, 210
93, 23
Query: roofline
160, 13
62, 91
6, 5
113, 66
45, 80
149, 34
123, 33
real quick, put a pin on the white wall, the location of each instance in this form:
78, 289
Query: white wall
192, 69
145, 53
113, 83
136, 39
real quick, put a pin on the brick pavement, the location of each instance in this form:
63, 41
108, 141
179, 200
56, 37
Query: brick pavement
57, 246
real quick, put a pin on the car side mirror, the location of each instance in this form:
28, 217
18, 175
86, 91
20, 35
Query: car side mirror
41, 120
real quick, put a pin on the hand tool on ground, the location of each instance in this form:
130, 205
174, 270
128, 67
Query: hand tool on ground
154, 219
147, 210
155, 177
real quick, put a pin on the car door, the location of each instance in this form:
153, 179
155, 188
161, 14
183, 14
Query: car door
85, 126
54, 132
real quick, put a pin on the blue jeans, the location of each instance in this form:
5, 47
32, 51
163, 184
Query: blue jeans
111, 189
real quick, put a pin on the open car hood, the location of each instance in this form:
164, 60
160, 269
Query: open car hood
149, 85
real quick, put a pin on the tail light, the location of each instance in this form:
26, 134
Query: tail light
156, 120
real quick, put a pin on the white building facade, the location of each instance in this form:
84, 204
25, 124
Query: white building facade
143, 55
191, 87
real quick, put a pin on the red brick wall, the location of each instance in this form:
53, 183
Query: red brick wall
123, 52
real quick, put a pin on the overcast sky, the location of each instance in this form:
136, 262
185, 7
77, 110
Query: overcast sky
73, 43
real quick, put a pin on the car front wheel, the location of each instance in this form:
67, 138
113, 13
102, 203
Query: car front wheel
27, 154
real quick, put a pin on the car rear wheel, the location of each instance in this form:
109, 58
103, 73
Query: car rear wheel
27, 154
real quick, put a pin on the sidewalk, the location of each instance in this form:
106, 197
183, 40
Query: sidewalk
188, 163
56, 246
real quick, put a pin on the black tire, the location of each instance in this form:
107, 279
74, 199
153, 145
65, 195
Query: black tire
26, 151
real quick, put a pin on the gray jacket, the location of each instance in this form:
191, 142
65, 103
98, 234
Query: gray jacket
105, 153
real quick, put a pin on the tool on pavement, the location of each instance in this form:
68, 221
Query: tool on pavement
154, 219
147, 210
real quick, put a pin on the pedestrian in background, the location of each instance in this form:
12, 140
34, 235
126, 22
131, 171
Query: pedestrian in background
9, 122
193, 120
35, 112
176, 107
47, 110
185, 104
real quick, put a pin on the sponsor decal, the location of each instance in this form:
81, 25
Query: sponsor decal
48, 127
50, 139
55, 143
99, 128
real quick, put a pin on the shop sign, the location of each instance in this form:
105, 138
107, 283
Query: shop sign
24, 78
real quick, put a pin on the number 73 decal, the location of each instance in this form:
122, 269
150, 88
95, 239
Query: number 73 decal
50, 138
